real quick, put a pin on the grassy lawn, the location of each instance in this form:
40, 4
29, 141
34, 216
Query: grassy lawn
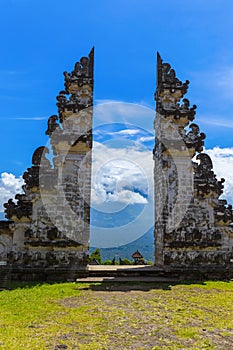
117, 316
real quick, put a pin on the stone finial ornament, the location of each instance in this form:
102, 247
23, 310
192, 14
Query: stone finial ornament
166, 78
194, 138
82, 73
38, 158
78, 93
23, 208
52, 125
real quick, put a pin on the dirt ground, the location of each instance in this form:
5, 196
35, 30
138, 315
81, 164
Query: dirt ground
142, 317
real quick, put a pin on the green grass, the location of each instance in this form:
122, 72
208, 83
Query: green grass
117, 316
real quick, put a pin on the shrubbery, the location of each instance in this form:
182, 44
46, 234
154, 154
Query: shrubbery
95, 256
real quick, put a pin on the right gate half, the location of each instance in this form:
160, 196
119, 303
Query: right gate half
193, 227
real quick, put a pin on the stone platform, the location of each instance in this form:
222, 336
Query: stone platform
149, 274
124, 273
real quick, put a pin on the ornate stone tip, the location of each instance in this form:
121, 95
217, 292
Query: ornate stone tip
82, 73
91, 59
159, 69
91, 53
158, 57
39, 154
166, 78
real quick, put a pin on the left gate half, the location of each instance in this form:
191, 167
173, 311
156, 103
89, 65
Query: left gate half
50, 220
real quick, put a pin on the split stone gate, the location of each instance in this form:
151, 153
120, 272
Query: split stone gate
46, 236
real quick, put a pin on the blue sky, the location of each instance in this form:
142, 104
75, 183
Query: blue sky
41, 39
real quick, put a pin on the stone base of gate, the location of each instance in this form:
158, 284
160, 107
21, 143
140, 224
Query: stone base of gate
103, 273
51, 274
150, 274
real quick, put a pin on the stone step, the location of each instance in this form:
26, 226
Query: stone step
126, 279
102, 273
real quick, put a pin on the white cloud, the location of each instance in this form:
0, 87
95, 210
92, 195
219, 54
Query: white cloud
122, 112
121, 178
9, 186
126, 174
222, 159
216, 81
127, 132
215, 120
224, 81
129, 197
146, 138
121, 175
32, 118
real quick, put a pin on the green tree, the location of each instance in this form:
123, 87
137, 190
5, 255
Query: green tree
95, 255
125, 261
107, 262
150, 262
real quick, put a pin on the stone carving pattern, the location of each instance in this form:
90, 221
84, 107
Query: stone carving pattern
23, 207
78, 93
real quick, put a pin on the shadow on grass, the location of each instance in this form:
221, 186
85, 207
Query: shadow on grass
24, 285
132, 286
105, 286
112, 286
